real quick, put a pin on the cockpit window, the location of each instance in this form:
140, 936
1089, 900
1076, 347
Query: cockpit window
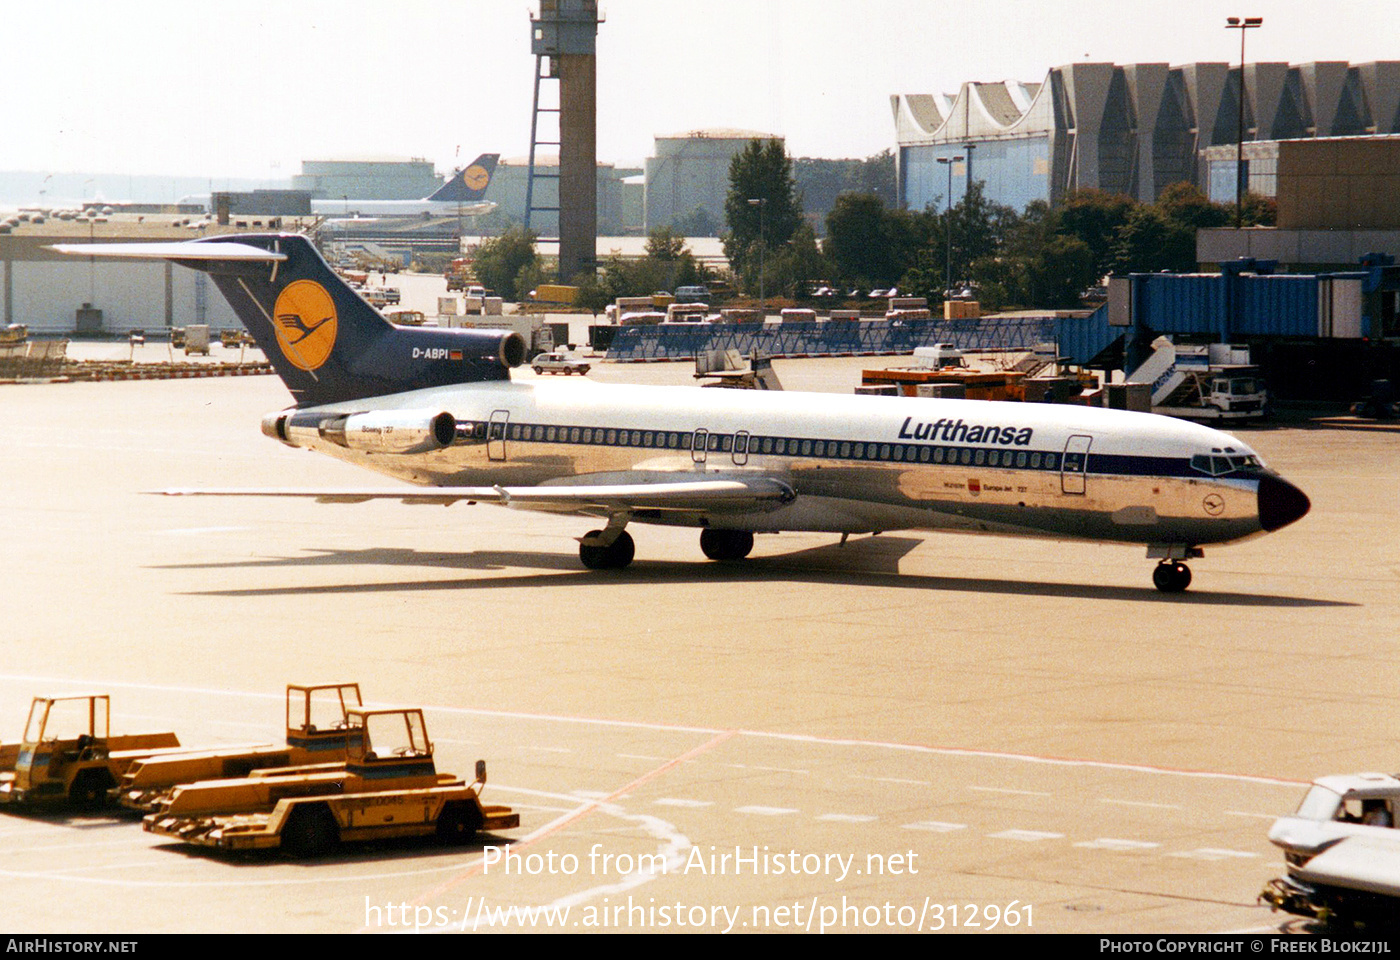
1219, 465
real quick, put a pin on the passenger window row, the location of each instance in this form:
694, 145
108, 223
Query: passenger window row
774, 446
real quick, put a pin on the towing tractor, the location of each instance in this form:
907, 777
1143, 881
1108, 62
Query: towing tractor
317, 732
1342, 851
68, 755
388, 787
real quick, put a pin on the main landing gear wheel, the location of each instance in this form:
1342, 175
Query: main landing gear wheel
726, 544
614, 556
1171, 576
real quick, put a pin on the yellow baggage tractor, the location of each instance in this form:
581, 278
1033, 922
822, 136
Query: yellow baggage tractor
387, 787
316, 733
68, 754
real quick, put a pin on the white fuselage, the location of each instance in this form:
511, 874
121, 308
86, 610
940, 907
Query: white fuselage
398, 208
855, 463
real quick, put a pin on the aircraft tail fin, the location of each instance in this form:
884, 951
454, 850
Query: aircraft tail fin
470, 183
324, 340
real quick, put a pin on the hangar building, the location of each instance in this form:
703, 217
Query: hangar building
1130, 129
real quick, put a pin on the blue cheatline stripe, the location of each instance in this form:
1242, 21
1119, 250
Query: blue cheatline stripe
1008, 457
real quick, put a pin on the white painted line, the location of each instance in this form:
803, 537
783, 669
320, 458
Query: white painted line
1027, 836
1256, 816
848, 818
916, 748
911, 783
1140, 803
680, 802
1214, 853
200, 531
1111, 843
1024, 793
767, 811
755, 766
935, 826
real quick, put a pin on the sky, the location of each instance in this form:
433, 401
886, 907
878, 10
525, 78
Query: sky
249, 89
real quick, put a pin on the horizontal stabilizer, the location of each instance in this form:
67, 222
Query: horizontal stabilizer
177, 250
687, 495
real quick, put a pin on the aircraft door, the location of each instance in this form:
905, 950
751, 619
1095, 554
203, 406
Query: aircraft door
1076, 460
699, 444
496, 434
741, 448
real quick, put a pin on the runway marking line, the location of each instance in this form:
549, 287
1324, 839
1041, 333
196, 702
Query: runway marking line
567, 819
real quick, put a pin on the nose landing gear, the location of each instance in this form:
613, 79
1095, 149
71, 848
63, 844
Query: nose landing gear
1171, 576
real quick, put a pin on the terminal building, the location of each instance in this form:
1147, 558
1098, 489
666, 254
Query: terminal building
1131, 129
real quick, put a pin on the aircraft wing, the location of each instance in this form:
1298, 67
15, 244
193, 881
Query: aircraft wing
734, 495
172, 250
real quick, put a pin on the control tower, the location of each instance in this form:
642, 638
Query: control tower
564, 42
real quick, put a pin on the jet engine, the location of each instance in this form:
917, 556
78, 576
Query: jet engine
390, 431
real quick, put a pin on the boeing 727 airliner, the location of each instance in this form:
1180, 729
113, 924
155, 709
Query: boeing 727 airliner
460, 195
438, 408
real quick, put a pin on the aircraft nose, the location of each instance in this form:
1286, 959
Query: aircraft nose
1280, 503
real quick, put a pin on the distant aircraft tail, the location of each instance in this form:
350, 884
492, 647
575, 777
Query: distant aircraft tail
324, 340
469, 184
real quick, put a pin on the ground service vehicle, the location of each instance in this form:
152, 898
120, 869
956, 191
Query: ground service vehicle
1203, 381
387, 787
68, 754
317, 732
1342, 851
558, 361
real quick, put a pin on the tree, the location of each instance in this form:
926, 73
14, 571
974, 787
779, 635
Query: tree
698, 223
762, 172
1095, 217
867, 244
500, 261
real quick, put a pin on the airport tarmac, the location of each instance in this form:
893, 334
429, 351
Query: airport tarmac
910, 731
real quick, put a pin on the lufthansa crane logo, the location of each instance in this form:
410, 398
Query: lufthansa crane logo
476, 177
305, 320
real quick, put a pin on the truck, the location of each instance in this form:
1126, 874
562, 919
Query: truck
197, 339
387, 787
68, 755
317, 732
1342, 852
459, 274
1203, 381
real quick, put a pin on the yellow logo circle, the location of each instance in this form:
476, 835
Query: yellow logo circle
476, 177
305, 320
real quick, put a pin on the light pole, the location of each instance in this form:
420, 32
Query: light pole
1242, 25
761, 203
948, 225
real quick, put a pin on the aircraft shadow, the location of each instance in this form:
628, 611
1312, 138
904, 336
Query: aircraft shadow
867, 562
